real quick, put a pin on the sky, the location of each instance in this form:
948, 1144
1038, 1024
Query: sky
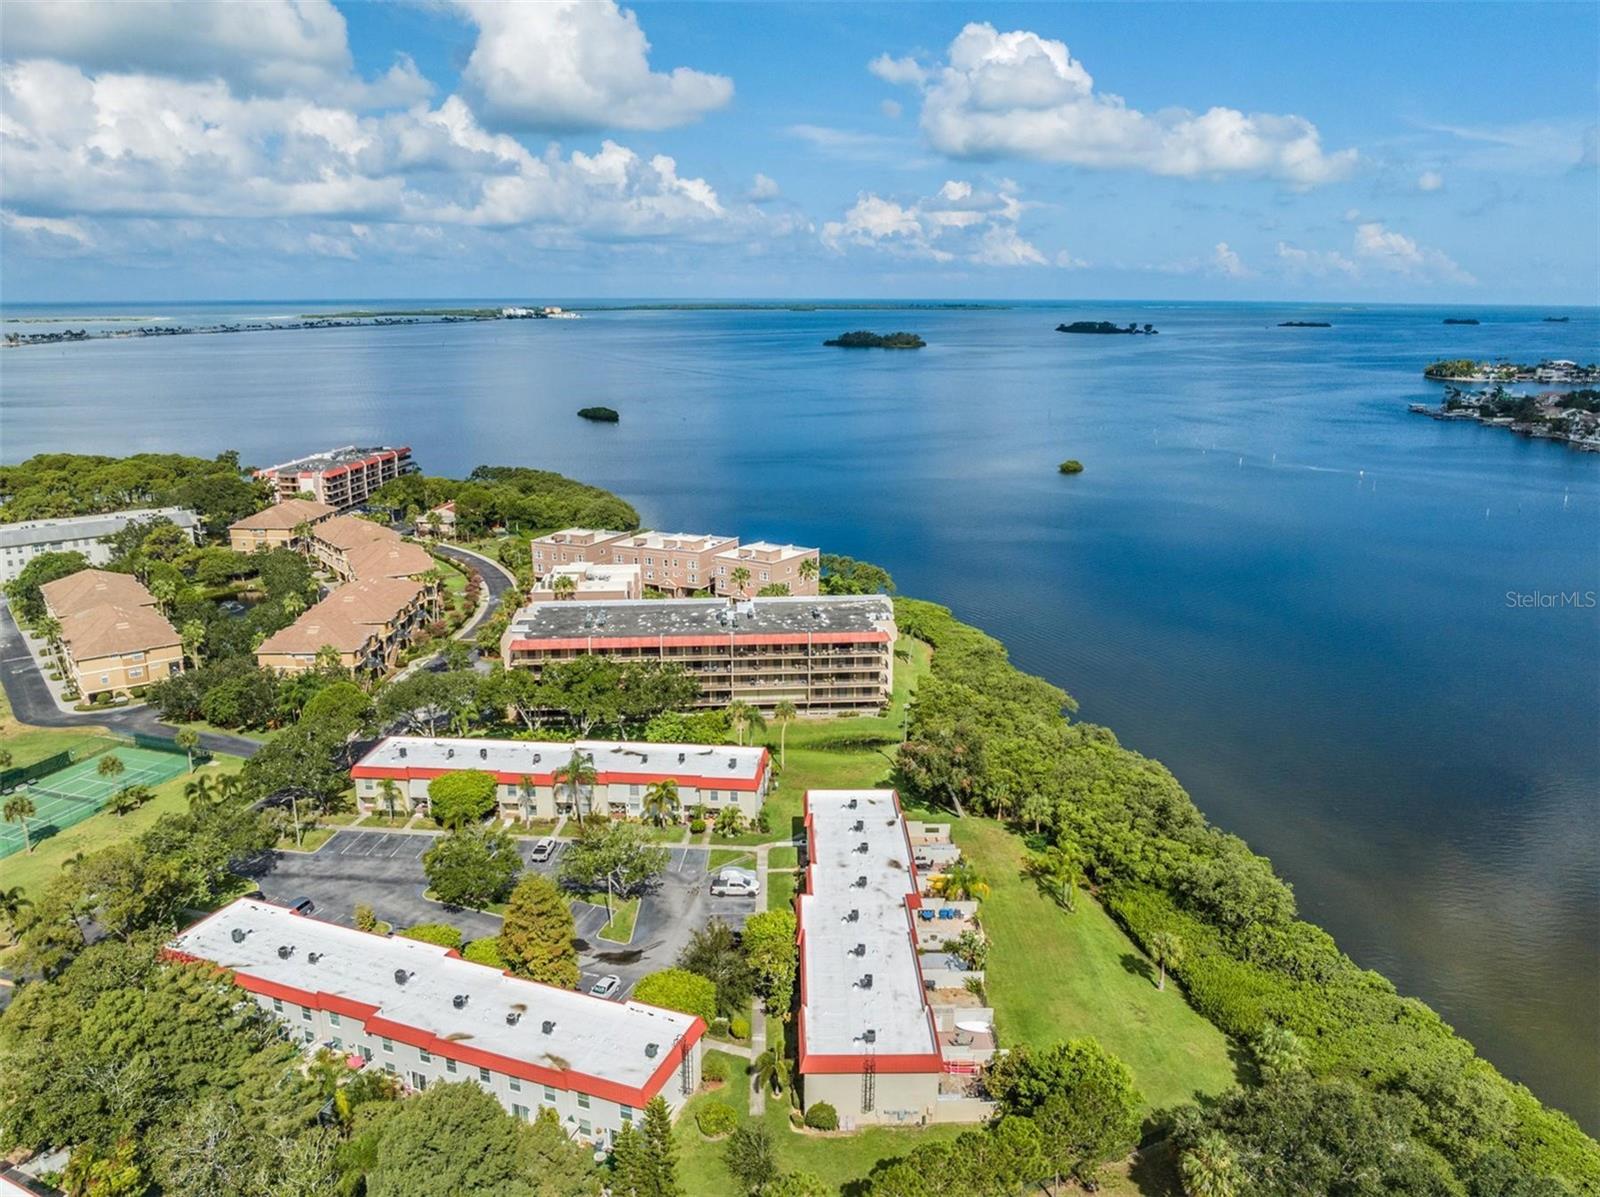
1420, 152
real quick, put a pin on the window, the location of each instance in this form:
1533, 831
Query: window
388, 1044
418, 1081
584, 1128
483, 1075
424, 1056
305, 1013
388, 1067
450, 1066
627, 1113
520, 1111
333, 1019
633, 791
516, 1085
366, 1054
309, 1035
277, 1005
583, 1101
336, 1043
549, 1094
136, 671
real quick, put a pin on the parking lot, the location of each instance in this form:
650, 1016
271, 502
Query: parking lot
384, 870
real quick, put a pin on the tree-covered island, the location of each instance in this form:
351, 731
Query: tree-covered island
863, 339
1106, 328
601, 415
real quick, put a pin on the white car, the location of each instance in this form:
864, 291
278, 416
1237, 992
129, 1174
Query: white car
543, 850
606, 985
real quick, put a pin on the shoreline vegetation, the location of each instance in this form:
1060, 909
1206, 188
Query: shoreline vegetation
1105, 328
600, 415
1071, 466
862, 339
1571, 417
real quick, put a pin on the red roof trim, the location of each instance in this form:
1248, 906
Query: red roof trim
419, 773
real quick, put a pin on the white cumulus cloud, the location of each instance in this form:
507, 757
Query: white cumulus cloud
573, 65
958, 223
1018, 94
1430, 180
1399, 254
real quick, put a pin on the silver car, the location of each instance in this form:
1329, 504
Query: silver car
606, 985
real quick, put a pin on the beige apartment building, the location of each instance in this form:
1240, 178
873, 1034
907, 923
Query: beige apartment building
368, 623
768, 565
589, 583
278, 526
342, 478
826, 655
677, 563
570, 546
350, 547
113, 638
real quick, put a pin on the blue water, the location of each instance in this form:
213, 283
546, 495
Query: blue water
1270, 575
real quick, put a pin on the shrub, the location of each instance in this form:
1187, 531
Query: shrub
822, 1117
697, 826
679, 989
485, 951
739, 1027
714, 1069
719, 1027
442, 934
716, 1119
366, 918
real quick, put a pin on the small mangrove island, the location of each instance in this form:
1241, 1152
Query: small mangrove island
871, 340
601, 415
1304, 324
1459, 320
1071, 466
1107, 329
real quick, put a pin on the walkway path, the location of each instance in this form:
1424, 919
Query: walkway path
758, 1044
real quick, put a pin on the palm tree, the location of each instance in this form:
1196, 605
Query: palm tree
110, 766
12, 903
193, 636
525, 792
770, 1069
962, 882
808, 569
19, 808
661, 802
391, 796
6, 758
576, 774
128, 799
1166, 949
740, 577
784, 713
165, 591
49, 627
744, 717
1059, 871
563, 586
293, 604
73, 861
203, 794
302, 533
1210, 1169
188, 739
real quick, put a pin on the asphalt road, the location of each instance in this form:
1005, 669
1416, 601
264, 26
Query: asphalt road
384, 870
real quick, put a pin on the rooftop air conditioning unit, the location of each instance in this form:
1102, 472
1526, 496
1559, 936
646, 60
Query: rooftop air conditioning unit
680, 758
537, 757
483, 754
513, 1017
861, 881
548, 1026
859, 825
449, 753
851, 804
866, 981
650, 1050
853, 917
285, 951
313, 957
863, 847
869, 1036
859, 950
402, 752
401, 976
733, 762
238, 935
459, 1001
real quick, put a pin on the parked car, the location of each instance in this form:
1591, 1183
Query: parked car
606, 985
543, 850
732, 883
303, 906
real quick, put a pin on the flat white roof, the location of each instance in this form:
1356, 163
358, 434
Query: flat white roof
601, 1039
536, 758
26, 532
839, 1009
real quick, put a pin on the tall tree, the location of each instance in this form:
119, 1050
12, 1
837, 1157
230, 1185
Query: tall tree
770, 947
462, 798
12, 903
578, 777
615, 858
661, 802
536, 937
1209, 1168
475, 867
1166, 949
187, 739
659, 1154
19, 809
784, 714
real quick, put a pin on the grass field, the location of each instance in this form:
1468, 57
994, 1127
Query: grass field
29, 744
780, 890
623, 917
69, 796
33, 870
1054, 975
785, 857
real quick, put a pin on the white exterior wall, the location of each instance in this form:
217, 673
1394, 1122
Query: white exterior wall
900, 1098
630, 796
577, 1111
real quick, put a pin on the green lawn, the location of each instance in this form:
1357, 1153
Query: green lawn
311, 838
786, 857
623, 916
835, 1158
780, 890
32, 870
721, 858
1054, 975
30, 744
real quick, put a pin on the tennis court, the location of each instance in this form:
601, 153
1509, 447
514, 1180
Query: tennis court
73, 794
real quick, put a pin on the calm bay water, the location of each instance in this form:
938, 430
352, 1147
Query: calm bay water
1270, 576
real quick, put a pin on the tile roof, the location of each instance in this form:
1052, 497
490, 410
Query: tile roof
284, 517
347, 618
109, 630
92, 588
346, 532
389, 559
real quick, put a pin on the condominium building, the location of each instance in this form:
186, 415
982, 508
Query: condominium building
367, 623
765, 564
278, 526
589, 583
869, 1040
571, 545
825, 655
438, 522
425, 1015
712, 776
342, 478
21, 542
350, 547
677, 563
113, 638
